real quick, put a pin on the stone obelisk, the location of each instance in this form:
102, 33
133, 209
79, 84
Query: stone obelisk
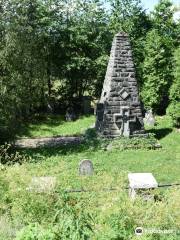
118, 112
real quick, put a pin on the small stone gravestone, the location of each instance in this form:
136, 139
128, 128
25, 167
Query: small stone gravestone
86, 104
50, 107
86, 167
42, 184
149, 118
70, 114
141, 182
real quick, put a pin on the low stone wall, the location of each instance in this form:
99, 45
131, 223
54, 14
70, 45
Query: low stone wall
47, 141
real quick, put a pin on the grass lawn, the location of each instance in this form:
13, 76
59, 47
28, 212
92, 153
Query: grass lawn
163, 163
111, 169
54, 125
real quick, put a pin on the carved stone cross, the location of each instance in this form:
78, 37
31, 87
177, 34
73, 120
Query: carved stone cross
124, 119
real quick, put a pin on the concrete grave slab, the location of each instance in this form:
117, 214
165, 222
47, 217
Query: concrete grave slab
141, 181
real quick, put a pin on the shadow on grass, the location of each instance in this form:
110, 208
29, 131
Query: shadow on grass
41, 153
160, 133
50, 120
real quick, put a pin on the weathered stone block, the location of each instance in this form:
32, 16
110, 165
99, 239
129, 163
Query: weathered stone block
114, 103
125, 84
130, 69
117, 79
125, 74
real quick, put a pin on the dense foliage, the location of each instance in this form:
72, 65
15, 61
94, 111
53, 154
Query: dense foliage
9, 156
174, 107
158, 63
54, 52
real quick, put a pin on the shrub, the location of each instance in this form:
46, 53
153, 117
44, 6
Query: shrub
74, 223
174, 107
35, 232
174, 111
9, 156
124, 143
66, 218
90, 134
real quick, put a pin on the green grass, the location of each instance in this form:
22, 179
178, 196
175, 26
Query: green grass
163, 163
54, 125
111, 169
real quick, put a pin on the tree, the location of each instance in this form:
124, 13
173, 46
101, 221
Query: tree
158, 63
86, 49
154, 81
24, 59
45, 42
22, 55
5, 103
174, 107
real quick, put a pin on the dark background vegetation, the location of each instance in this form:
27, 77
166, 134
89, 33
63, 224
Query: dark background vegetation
52, 53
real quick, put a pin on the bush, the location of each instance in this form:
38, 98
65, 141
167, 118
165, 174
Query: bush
124, 143
35, 232
90, 134
174, 107
65, 217
62, 231
174, 111
74, 223
9, 156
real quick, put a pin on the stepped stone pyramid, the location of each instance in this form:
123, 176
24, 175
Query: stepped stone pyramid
118, 112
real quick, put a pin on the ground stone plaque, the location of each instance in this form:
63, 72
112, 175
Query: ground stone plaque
86, 167
119, 113
42, 184
142, 182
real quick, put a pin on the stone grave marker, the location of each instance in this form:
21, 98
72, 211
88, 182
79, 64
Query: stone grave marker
141, 182
149, 118
86, 167
42, 184
70, 114
87, 104
118, 112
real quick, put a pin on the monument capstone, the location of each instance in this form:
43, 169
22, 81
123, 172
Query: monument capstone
118, 113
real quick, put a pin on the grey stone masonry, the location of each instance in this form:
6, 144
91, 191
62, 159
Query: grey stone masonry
118, 112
